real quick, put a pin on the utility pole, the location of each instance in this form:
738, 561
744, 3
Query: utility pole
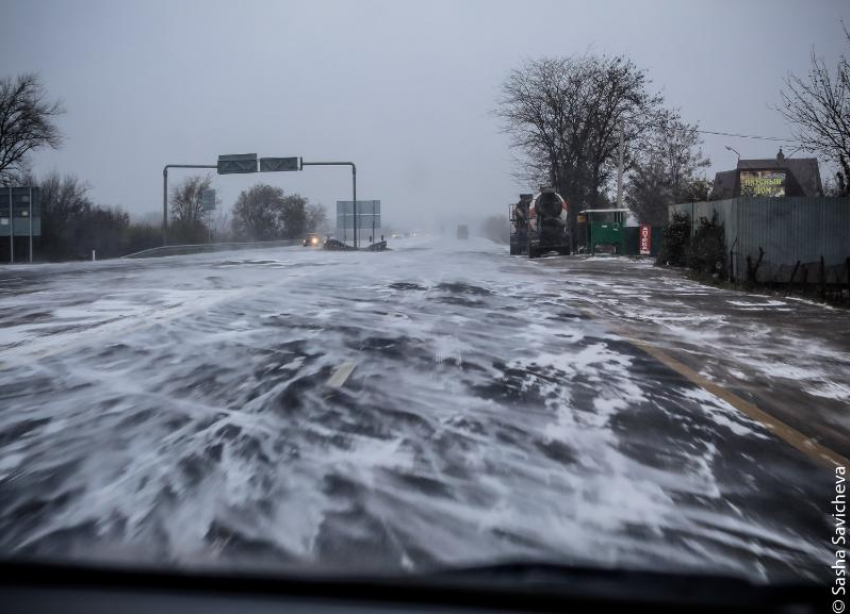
620, 167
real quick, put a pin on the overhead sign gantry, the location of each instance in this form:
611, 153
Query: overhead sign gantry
232, 164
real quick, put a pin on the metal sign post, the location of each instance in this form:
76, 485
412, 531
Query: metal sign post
24, 205
11, 229
30, 216
353, 186
208, 205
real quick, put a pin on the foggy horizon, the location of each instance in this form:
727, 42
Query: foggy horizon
404, 90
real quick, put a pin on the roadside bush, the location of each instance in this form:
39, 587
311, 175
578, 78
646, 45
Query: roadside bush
707, 251
676, 240
138, 237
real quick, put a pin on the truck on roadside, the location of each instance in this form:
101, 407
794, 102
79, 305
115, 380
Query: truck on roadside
539, 224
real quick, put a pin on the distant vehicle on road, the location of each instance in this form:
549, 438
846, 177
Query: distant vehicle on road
463, 232
312, 240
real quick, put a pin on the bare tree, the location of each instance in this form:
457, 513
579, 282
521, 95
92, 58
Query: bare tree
26, 122
665, 163
317, 217
65, 204
221, 224
73, 225
564, 115
819, 107
187, 212
619, 99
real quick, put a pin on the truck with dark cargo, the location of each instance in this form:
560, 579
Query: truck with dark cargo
540, 224
518, 219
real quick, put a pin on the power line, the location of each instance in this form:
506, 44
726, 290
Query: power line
777, 139
746, 136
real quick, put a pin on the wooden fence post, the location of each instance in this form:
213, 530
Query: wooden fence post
752, 270
805, 280
847, 271
731, 267
790, 285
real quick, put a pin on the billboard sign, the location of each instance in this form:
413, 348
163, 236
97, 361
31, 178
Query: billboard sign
645, 240
368, 214
769, 183
19, 222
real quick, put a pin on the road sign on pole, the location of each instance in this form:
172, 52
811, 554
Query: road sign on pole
368, 215
353, 185
20, 215
237, 163
270, 165
208, 199
11, 228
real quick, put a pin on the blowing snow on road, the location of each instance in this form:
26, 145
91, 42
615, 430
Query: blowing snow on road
196, 409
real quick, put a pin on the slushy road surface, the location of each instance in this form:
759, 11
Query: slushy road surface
177, 411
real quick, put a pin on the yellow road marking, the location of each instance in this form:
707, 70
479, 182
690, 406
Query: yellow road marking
806, 445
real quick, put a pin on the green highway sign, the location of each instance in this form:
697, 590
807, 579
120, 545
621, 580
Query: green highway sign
237, 163
269, 165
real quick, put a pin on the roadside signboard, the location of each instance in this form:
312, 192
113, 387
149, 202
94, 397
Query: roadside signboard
208, 200
368, 214
645, 240
21, 209
270, 165
763, 183
237, 163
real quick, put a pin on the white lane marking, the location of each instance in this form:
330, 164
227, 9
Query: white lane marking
342, 373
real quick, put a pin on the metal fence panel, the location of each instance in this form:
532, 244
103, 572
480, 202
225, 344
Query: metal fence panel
787, 229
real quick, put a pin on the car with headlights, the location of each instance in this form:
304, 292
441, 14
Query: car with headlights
312, 240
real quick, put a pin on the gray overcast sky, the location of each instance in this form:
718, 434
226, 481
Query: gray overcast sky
402, 88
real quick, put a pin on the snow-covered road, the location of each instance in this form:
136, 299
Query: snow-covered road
177, 411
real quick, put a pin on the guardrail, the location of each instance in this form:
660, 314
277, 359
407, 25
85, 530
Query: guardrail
201, 248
